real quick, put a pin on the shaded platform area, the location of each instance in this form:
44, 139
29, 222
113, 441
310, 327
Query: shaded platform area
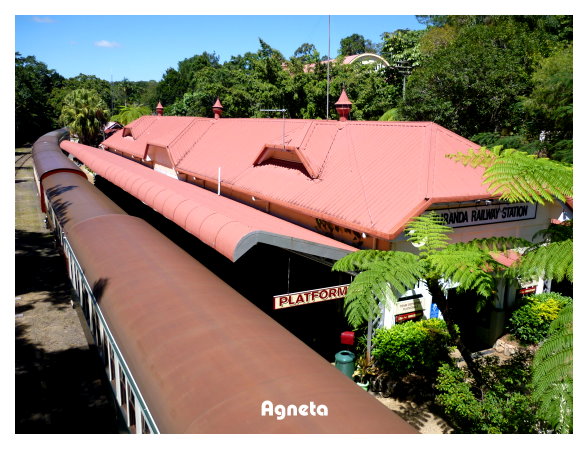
60, 385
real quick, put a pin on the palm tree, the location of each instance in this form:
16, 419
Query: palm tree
85, 114
130, 113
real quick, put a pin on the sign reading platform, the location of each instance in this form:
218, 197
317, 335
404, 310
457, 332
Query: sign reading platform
309, 296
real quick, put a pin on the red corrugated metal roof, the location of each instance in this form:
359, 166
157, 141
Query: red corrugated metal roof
507, 259
370, 176
230, 227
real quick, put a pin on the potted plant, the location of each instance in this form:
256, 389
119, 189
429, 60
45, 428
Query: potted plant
364, 372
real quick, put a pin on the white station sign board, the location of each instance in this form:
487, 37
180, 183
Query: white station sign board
487, 214
309, 296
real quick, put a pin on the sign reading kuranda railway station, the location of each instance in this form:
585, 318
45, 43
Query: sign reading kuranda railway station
487, 214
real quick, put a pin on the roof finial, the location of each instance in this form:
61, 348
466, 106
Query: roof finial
159, 109
217, 108
343, 106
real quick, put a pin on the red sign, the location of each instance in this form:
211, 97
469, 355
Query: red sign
524, 291
408, 316
309, 297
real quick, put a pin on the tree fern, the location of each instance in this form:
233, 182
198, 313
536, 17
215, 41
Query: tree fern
383, 277
556, 232
520, 177
493, 244
553, 374
469, 268
428, 233
549, 261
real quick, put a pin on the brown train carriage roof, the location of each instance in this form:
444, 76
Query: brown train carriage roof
203, 356
47, 157
74, 199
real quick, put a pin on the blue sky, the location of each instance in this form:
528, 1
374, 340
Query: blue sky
143, 47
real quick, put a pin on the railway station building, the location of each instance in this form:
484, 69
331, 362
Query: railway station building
277, 201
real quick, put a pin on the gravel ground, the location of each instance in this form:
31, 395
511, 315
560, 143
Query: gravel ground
419, 416
59, 382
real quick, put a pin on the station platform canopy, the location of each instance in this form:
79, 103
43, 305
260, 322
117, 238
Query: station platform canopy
226, 225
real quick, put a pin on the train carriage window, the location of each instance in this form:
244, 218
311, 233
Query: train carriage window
145, 427
111, 364
123, 388
132, 417
87, 303
100, 341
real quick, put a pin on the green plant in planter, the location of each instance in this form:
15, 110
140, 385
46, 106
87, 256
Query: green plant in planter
365, 370
530, 323
412, 347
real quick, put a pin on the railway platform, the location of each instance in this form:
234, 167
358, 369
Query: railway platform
59, 382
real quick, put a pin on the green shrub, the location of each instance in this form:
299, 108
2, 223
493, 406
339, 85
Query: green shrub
505, 406
411, 347
492, 139
530, 323
390, 115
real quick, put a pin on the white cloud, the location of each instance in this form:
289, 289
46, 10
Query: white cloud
43, 19
106, 44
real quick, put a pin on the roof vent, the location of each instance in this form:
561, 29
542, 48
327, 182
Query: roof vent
217, 108
343, 106
159, 109
287, 157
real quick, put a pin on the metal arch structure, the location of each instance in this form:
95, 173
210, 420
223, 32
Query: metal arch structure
184, 352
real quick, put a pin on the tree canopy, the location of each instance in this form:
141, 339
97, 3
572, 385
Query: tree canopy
34, 82
356, 44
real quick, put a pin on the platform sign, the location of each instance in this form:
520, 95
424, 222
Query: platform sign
408, 316
408, 304
309, 297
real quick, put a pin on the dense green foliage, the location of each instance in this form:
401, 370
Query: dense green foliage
553, 374
498, 75
33, 85
411, 347
531, 321
506, 405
